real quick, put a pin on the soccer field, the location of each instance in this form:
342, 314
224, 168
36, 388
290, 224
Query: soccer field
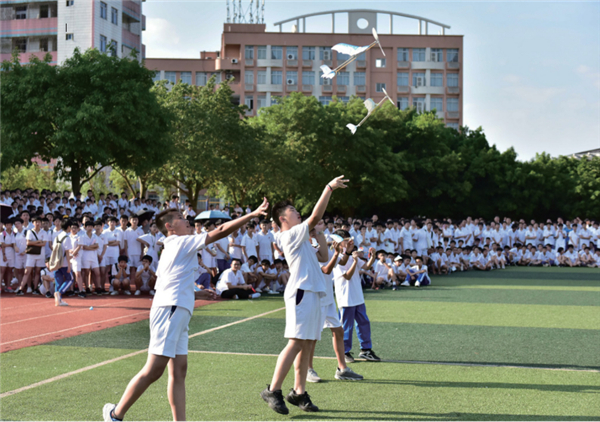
519, 344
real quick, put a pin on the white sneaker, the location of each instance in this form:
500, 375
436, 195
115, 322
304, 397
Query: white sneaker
137, 293
273, 292
152, 292
114, 293
106, 410
417, 283
63, 304
258, 291
29, 290
254, 295
127, 292
406, 284
312, 376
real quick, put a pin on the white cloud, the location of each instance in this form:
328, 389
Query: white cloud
589, 74
163, 40
513, 79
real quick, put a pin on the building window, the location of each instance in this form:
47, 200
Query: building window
70, 3
171, 77
291, 53
113, 48
402, 103
291, 77
437, 79
103, 43
452, 54
362, 56
249, 101
452, 104
308, 77
418, 54
249, 77
201, 78
21, 12
21, 45
452, 125
437, 103
452, 79
44, 11
262, 52
418, 79
308, 53
343, 78
325, 99
114, 16
379, 62
360, 78
419, 104
276, 52
217, 77
344, 99
186, 77
403, 54
103, 10
437, 55
156, 76
261, 101
276, 77
402, 79
249, 52
43, 44
379, 87
69, 37
325, 53
261, 77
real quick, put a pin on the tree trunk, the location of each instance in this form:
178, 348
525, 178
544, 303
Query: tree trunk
142, 187
75, 176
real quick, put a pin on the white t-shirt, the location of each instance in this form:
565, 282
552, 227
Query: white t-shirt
250, 245
115, 270
235, 251
406, 236
145, 274
176, 269
228, 276
86, 240
264, 243
381, 270
348, 292
111, 236
134, 248
41, 236
224, 244
305, 271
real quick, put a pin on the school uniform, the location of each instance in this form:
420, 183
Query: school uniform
329, 314
250, 244
75, 260
134, 248
8, 255
235, 279
423, 278
381, 270
150, 239
265, 242
62, 277
406, 238
173, 303
37, 260
89, 259
112, 252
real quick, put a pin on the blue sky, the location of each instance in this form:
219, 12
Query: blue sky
531, 72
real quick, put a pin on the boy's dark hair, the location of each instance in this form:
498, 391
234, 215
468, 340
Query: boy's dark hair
163, 218
89, 223
252, 257
36, 218
124, 217
278, 211
419, 257
115, 219
251, 225
98, 223
342, 233
236, 260
123, 258
265, 262
66, 224
148, 257
278, 261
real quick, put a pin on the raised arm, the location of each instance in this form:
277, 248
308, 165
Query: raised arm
226, 229
319, 210
327, 269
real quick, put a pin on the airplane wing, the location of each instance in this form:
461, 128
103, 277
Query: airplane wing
349, 49
370, 104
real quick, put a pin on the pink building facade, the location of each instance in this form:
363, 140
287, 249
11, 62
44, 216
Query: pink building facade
422, 71
36, 28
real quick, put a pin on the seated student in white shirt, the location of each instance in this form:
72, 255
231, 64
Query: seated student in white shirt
145, 277
231, 284
382, 271
586, 258
203, 275
249, 271
453, 261
283, 275
120, 276
267, 278
538, 257
398, 275
571, 257
434, 260
497, 257
526, 255
417, 274
550, 255
596, 255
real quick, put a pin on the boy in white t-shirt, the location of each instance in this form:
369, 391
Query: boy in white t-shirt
231, 284
172, 309
306, 287
145, 277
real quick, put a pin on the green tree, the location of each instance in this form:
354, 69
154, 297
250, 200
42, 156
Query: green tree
32, 176
93, 111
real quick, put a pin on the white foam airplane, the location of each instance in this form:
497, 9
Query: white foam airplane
351, 50
371, 107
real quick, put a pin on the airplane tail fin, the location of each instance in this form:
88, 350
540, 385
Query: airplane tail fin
327, 72
352, 128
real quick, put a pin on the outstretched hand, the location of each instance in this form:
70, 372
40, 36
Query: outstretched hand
338, 182
262, 210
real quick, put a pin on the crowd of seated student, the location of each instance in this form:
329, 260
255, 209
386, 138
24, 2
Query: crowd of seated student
109, 251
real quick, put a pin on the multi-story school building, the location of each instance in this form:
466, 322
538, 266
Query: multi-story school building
424, 70
38, 27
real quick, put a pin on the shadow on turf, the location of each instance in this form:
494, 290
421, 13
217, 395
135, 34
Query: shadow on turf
492, 364
453, 416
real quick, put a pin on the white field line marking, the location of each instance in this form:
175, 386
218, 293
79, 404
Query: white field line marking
106, 362
68, 312
415, 362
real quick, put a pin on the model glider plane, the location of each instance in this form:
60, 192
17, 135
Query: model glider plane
351, 50
371, 107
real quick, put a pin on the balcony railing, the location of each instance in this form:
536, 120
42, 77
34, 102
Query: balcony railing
307, 88
307, 63
453, 90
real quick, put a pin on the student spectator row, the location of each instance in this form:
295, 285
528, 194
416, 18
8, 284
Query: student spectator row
112, 246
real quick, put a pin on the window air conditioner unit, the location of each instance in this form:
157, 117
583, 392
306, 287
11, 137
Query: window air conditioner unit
291, 82
434, 57
327, 55
291, 57
419, 82
234, 61
229, 76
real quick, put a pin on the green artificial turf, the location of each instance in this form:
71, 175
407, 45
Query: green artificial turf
541, 317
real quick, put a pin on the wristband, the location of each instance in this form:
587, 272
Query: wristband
330, 188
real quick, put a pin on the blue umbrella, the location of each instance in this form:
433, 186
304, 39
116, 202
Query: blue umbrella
212, 216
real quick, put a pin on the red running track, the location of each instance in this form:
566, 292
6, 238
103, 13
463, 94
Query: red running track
31, 320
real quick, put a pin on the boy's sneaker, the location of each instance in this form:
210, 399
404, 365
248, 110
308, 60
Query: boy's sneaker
275, 400
48, 295
349, 358
88, 291
254, 295
29, 290
312, 376
36, 292
417, 283
347, 375
70, 293
81, 295
137, 293
127, 292
114, 293
302, 401
369, 355
105, 292
20, 292
107, 412
406, 284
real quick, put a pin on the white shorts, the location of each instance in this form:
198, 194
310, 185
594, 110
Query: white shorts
303, 320
423, 252
76, 264
20, 261
108, 261
134, 260
169, 327
89, 263
330, 316
35, 261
